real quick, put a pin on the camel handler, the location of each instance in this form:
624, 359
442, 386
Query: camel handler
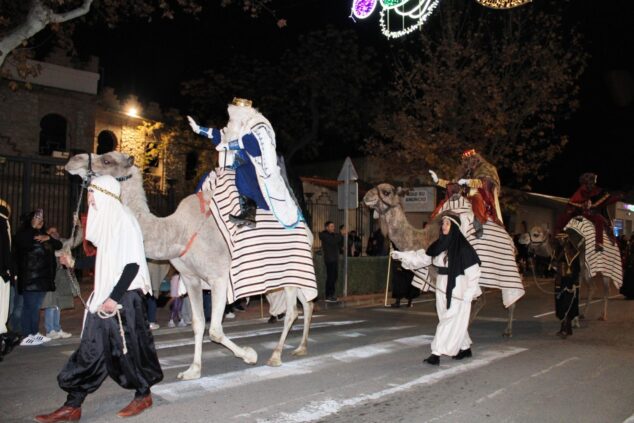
247, 145
483, 183
116, 340
458, 267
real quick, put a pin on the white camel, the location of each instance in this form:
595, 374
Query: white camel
384, 199
192, 242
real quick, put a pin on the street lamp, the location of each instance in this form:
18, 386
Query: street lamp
132, 111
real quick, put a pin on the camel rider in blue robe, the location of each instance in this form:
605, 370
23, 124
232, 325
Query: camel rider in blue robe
247, 145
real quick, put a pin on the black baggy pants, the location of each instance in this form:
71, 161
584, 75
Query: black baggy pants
100, 353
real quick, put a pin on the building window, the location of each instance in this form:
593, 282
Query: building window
191, 165
106, 142
52, 134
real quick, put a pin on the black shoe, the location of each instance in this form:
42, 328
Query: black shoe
409, 304
281, 316
238, 307
272, 319
479, 230
248, 209
463, 354
396, 304
433, 359
331, 299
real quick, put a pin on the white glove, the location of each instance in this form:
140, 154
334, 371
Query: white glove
463, 181
397, 255
193, 124
434, 177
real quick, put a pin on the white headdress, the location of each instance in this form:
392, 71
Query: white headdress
115, 232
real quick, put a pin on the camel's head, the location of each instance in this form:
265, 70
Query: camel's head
382, 198
115, 163
538, 235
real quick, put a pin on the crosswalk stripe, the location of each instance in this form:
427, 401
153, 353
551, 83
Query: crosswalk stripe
174, 391
249, 334
320, 409
184, 360
433, 314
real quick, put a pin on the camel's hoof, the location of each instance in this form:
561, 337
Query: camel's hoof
507, 334
274, 362
299, 352
602, 319
189, 374
250, 356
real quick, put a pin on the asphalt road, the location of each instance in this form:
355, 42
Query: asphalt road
365, 365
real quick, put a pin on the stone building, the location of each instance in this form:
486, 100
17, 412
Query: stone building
63, 111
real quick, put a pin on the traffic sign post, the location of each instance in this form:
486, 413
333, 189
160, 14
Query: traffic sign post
347, 175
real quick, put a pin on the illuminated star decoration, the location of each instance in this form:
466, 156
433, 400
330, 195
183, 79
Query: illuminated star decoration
400, 17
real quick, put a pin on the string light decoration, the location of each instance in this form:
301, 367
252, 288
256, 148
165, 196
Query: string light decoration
503, 4
363, 8
401, 17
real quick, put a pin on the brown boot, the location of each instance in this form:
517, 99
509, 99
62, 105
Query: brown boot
136, 406
62, 414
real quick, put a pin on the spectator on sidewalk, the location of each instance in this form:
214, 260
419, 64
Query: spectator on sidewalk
62, 297
35, 257
330, 245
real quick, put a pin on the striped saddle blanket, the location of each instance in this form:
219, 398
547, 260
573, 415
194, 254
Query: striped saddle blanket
263, 258
496, 251
608, 261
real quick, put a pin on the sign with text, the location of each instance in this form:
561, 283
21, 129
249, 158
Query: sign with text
420, 199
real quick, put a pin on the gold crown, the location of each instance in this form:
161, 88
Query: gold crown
242, 102
468, 153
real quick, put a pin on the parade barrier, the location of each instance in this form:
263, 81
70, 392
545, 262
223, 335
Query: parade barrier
366, 275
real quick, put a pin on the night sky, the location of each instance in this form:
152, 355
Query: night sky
151, 59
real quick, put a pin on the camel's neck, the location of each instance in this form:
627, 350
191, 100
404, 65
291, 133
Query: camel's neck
404, 236
157, 236
133, 194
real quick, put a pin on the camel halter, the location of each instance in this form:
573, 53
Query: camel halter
389, 206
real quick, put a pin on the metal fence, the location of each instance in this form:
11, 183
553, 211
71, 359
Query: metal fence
28, 183
359, 220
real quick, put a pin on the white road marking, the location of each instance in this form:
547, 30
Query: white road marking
350, 334
250, 334
537, 316
320, 409
432, 314
174, 391
184, 360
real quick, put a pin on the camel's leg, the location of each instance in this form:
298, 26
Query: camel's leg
302, 349
218, 303
606, 294
589, 282
509, 326
289, 318
195, 292
479, 305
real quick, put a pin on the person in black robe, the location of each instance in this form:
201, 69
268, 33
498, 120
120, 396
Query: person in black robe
627, 289
567, 264
402, 285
